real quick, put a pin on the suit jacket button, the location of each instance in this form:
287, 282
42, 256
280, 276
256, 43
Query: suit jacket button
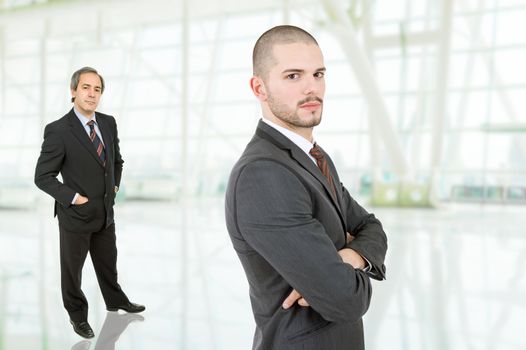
105, 195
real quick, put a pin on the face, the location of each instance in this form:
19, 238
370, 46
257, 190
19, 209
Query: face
295, 86
87, 94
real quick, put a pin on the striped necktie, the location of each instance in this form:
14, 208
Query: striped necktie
99, 147
321, 161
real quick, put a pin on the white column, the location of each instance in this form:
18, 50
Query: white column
184, 173
442, 80
42, 275
2, 71
373, 134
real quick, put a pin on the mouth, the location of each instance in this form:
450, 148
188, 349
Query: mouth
311, 103
311, 106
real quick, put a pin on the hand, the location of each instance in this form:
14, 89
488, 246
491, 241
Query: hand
81, 200
350, 256
292, 298
116, 189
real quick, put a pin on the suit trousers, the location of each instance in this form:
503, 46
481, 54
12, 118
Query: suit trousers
74, 248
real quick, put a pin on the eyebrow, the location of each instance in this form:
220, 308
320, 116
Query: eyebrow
297, 70
96, 86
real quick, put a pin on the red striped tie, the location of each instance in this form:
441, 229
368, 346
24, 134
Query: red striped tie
99, 147
321, 161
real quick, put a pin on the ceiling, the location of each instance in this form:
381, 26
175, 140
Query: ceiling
60, 17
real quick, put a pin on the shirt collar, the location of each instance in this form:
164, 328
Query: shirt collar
82, 118
304, 144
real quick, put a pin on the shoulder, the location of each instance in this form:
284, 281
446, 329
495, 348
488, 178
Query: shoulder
267, 176
264, 157
58, 124
264, 189
107, 120
259, 153
260, 148
106, 117
103, 115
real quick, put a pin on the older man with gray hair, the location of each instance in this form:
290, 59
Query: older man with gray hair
83, 146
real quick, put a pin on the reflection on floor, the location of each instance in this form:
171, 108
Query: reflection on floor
456, 280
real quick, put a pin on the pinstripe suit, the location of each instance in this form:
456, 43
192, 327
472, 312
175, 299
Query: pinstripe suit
68, 150
287, 227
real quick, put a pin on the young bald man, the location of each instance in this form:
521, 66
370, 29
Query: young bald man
307, 247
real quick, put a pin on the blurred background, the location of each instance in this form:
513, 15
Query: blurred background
423, 116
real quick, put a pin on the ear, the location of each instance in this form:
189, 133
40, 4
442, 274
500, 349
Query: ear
73, 95
258, 88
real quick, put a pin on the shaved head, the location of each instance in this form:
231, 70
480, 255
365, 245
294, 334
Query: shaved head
263, 58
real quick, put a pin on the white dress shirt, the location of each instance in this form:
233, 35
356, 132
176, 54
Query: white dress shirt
84, 121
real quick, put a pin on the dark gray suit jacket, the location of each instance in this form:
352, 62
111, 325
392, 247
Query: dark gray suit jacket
68, 150
287, 227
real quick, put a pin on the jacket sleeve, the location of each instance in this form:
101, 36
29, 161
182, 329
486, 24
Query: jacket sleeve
370, 239
118, 158
49, 165
274, 214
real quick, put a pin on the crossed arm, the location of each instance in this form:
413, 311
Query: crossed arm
348, 255
274, 212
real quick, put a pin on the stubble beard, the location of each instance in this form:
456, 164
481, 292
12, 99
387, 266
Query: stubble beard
290, 116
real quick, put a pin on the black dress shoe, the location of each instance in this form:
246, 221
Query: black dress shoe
83, 329
129, 307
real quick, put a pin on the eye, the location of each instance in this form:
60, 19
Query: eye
293, 76
319, 74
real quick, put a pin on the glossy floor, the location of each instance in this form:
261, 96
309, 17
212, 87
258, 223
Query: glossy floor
456, 280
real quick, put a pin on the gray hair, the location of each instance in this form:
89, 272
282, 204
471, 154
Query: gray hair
75, 78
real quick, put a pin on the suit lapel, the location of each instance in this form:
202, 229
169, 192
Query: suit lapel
80, 133
105, 130
274, 136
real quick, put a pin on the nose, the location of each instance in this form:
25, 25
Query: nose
312, 86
